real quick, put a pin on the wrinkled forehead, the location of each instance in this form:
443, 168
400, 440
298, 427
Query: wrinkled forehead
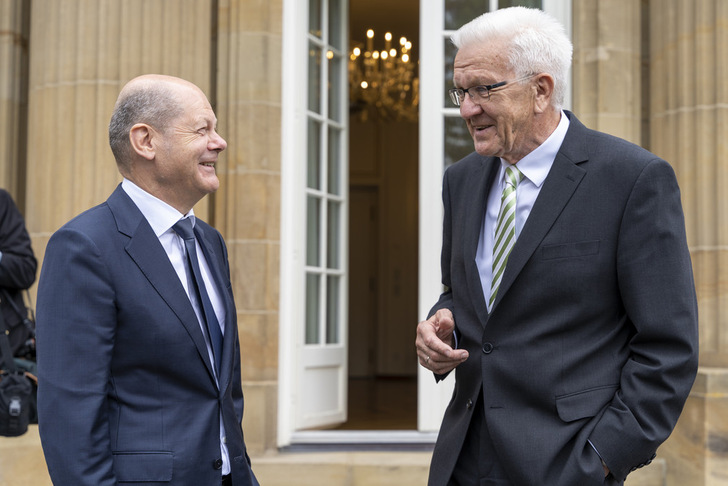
483, 59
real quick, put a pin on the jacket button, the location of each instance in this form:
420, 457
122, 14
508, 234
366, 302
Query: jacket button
217, 464
469, 404
487, 348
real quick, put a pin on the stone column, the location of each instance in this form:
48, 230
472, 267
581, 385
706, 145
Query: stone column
247, 206
14, 27
82, 53
688, 119
607, 92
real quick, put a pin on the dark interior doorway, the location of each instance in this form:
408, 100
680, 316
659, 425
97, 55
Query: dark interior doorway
383, 243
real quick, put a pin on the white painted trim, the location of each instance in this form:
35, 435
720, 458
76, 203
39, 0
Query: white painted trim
293, 215
432, 397
364, 437
294, 123
561, 10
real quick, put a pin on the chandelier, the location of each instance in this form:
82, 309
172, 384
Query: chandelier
384, 82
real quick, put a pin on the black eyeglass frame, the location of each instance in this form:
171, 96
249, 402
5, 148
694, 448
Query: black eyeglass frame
457, 95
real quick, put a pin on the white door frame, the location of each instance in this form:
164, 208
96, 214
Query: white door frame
432, 397
312, 370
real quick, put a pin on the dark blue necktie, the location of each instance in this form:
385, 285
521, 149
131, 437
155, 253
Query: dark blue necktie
183, 228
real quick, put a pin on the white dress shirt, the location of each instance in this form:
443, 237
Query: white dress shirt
161, 217
535, 167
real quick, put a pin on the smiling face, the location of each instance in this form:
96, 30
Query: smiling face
188, 152
505, 125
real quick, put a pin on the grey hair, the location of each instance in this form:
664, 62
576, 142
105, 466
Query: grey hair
154, 104
537, 43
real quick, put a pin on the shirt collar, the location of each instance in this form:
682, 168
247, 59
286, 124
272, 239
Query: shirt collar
536, 165
160, 215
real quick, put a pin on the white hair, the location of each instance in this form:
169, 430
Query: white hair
537, 43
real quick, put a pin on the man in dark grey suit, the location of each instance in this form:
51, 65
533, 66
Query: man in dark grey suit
138, 351
569, 313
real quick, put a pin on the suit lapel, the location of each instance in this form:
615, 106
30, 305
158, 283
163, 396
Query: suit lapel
146, 251
479, 187
563, 179
216, 265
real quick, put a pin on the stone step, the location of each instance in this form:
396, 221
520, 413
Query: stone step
378, 469
22, 464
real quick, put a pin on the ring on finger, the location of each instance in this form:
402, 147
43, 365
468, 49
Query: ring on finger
427, 361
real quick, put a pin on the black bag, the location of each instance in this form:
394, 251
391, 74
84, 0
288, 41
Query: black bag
15, 391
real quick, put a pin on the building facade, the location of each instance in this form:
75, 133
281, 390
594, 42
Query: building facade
332, 221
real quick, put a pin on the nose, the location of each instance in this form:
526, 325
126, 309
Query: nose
469, 108
217, 142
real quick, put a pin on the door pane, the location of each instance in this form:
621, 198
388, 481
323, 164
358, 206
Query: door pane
314, 77
522, 3
450, 52
335, 86
458, 142
312, 308
314, 154
460, 12
333, 259
314, 17
336, 30
332, 309
313, 230
334, 154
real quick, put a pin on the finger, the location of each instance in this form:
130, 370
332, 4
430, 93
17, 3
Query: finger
444, 318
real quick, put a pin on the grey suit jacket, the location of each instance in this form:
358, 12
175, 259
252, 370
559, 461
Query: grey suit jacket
126, 390
593, 335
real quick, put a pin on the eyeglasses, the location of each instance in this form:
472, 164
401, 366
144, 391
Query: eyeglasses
481, 93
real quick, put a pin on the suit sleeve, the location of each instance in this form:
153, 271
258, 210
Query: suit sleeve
658, 292
445, 301
76, 322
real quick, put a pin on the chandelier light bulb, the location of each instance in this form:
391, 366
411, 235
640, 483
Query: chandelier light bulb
384, 82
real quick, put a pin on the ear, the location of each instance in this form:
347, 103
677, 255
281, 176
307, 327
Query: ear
544, 90
141, 136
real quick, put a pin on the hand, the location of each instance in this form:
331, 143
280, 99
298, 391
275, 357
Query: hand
435, 341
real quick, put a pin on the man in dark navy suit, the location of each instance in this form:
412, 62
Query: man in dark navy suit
138, 353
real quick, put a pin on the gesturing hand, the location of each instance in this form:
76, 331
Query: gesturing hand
435, 343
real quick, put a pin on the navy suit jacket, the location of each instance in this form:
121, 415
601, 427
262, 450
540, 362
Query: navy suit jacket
593, 334
126, 389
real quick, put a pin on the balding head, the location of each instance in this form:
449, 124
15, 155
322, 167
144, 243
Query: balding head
152, 99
